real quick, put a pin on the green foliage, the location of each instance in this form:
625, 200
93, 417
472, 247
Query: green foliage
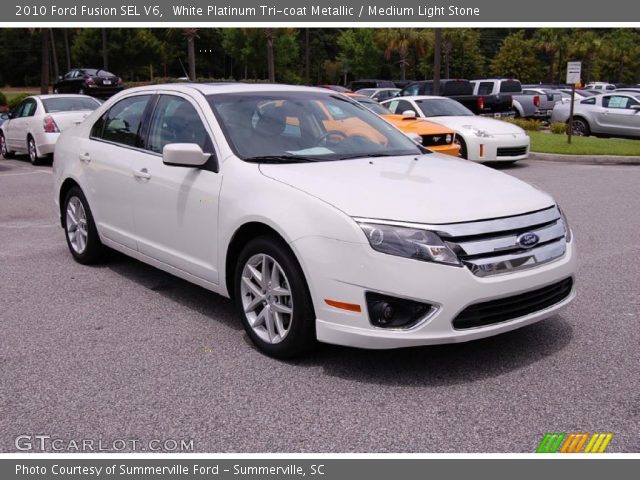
525, 124
3, 99
517, 59
359, 52
464, 56
558, 128
547, 143
16, 99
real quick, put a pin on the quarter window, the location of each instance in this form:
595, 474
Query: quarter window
176, 121
121, 124
28, 109
485, 88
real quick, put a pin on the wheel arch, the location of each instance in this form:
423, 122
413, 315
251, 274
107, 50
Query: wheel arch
67, 185
243, 235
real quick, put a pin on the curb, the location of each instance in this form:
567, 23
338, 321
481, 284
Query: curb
585, 159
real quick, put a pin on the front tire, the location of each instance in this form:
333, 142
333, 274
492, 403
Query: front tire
272, 296
463, 146
80, 229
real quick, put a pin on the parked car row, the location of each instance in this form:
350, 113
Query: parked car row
331, 225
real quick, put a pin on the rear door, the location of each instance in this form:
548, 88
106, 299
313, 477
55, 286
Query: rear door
19, 126
176, 208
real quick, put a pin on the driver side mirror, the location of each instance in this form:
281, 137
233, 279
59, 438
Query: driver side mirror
636, 108
184, 155
409, 114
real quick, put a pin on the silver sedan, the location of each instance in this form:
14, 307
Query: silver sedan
614, 114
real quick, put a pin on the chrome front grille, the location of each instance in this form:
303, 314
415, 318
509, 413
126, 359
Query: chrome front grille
491, 247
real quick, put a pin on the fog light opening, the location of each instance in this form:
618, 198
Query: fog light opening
391, 312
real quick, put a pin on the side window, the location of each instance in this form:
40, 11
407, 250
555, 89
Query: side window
617, 101
485, 88
589, 101
392, 106
175, 120
70, 74
121, 124
411, 90
28, 108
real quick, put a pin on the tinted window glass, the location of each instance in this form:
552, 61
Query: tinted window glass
589, 101
442, 107
456, 87
121, 124
69, 104
485, 88
411, 90
176, 121
510, 86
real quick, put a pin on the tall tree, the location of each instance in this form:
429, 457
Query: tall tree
105, 50
271, 67
67, 50
191, 34
54, 54
517, 58
44, 69
359, 54
400, 41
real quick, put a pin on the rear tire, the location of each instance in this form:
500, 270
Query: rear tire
33, 151
581, 127
4, 149
273, 299
80, 229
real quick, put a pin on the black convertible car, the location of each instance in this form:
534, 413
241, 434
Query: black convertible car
89, 81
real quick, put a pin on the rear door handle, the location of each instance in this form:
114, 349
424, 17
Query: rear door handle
142, 174
85, 157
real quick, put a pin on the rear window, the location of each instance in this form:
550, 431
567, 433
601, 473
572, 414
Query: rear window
99, 73
69, 104
510, 86
456, 87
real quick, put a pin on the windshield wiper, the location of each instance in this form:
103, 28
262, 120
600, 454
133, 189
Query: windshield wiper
372, 155
279, 159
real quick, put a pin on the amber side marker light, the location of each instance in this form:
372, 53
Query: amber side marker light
351, 307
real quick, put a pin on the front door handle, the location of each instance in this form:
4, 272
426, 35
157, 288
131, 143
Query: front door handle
85, 157
142, 174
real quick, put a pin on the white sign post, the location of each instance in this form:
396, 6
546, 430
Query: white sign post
574, 72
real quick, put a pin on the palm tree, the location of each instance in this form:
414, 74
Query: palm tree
44, 70
271, 67
551, 41
400, 41
191, 34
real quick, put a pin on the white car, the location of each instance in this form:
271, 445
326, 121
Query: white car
481, 139
34, 125
335, 228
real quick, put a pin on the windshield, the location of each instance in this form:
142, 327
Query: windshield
69, 104
304, 126
443, 107
374, 106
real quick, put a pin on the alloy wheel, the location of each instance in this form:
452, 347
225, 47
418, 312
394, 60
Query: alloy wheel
33, 153
266, 297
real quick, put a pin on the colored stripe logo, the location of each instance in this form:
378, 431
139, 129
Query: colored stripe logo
574, 443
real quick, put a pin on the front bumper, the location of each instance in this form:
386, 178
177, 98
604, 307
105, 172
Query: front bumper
452, 149
498, 148
344, 272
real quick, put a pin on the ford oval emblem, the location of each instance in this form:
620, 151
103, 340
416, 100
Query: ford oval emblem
528, 240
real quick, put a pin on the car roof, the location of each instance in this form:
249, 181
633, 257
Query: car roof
212, 88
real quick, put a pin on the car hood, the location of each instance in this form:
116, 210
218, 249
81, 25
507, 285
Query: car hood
494, 127
431, 188
417, 125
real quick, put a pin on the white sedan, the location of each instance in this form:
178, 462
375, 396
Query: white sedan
481, 139
34, 125
322, 221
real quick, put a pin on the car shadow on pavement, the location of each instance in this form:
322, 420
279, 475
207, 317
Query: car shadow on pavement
442, 365
193, 297
506, 165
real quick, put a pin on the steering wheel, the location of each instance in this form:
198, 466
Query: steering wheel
324, 139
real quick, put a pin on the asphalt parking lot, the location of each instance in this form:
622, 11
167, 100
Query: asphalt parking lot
125, 351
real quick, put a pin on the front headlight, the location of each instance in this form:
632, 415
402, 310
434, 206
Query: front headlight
567, 228
448, 138
477, 131
409, 243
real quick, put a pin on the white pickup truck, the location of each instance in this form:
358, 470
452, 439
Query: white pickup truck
524, 105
